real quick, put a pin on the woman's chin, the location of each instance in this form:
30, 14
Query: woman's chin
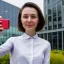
29, 29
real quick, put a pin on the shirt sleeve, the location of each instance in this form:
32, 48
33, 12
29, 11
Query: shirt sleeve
6, 47
47, 55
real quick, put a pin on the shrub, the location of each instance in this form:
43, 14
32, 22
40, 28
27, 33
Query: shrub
57, 57
5, 59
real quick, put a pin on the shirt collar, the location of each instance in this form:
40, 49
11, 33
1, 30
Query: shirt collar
26, 36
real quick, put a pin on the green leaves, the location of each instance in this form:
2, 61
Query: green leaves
57, 57
5, 59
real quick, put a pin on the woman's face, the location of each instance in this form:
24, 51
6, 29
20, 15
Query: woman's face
29, 19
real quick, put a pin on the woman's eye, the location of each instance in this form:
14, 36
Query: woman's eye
28, 17
33, 16
25, 16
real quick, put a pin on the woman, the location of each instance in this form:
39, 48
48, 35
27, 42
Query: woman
28, 48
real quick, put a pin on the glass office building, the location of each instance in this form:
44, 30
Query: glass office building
54, 27
9, 11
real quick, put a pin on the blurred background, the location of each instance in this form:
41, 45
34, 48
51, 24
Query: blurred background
9, 9
53, 11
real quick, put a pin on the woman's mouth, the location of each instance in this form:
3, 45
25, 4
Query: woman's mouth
29, 26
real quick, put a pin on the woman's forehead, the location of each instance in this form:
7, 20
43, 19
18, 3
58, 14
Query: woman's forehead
28, 10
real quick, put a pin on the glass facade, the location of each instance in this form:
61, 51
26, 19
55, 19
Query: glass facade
54, 27
10, 12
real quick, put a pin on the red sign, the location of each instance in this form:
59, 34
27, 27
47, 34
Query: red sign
5, 23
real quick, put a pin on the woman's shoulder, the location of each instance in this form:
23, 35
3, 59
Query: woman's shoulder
14, 38
44, 41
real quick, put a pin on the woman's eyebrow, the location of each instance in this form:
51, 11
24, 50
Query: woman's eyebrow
33, 14
30, 14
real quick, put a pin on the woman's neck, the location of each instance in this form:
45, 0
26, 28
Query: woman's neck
30, 33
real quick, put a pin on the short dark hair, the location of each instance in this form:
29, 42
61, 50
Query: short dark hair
41, 22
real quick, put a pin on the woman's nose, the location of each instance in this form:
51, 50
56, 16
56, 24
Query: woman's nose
29, 19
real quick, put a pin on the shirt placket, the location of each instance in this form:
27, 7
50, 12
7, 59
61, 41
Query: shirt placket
31, 51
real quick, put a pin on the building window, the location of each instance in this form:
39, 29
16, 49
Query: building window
45, 1
59, 8
2, 9
46, 27
53, 1
54, 40
55, 19
60, 40
45, 36
49, 27
54, 26
49, 10
46, 15
49, 19
40, 35
59, 14
54, 16
54, 22
62, 2
59, 25
49, 2
59, 19
54, 10
50, 39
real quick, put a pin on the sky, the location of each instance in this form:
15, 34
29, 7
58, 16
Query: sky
19, 3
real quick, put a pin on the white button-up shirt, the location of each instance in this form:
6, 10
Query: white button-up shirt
27, 50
